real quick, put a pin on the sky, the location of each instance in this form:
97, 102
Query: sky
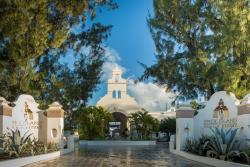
130, 36
131, 42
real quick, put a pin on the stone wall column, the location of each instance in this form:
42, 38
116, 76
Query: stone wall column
5, 115
184, 126
244, 123
55, 123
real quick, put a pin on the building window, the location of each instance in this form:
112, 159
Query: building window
119, 94
114, 94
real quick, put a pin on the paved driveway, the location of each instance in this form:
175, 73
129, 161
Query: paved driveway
120, 156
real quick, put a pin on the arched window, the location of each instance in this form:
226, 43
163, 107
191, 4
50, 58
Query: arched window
114, 94
119, 94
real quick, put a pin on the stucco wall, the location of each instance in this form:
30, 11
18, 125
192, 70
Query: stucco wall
54, 123
206, 119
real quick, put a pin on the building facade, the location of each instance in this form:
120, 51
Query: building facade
120, 104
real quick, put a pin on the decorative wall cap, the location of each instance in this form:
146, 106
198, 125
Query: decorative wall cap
180, 113
55, 110
243, 109
2, 99
5, 109
55, 113
184, 107
246, 99
55, 104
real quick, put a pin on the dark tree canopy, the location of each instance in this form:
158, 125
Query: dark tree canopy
201, 46
94, 122
30, 30
168, 125
35, 38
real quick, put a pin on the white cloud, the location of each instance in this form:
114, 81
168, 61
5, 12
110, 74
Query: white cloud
148, 95
112, 59
112, 55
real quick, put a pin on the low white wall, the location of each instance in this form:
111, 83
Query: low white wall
32, 159
71, 146
116, 143
28, 160
206, 160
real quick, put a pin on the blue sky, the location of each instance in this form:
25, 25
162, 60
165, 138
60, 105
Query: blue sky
130, 38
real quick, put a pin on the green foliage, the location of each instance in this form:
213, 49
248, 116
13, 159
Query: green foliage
14, 142
248, 152
223, 145
192, 145
93, 122
33, 33
51, 147
202, 46
168, 125
35, 147
36, 36
144, 124
194, 105
197, 146
73, 87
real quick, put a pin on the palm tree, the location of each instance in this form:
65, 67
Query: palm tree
144, 123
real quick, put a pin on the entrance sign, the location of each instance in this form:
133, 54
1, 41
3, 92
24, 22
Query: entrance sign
221, 123
114, 123
221, 111
25, 116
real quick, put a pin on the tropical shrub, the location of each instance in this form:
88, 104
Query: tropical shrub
14, 142
197, 146
223, 145
1, 143
51, 147
144, 124
93, 122
168, 125
34, 147
192, 145
248, 152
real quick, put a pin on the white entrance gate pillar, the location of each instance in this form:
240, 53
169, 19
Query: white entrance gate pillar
244, 122
5, 115
184, 126
55, 123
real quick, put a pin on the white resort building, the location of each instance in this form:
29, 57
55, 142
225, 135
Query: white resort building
120, 104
